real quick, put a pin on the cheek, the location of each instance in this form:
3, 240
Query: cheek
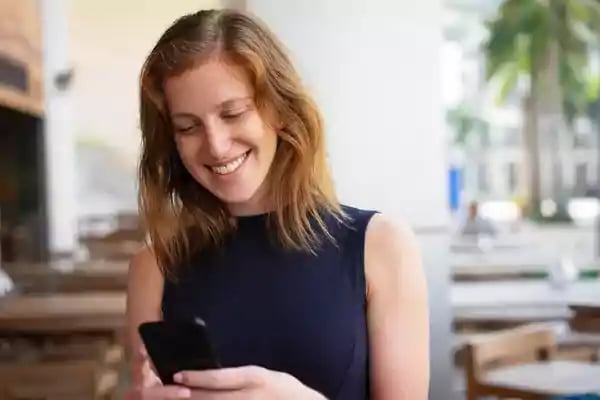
264, 136
188, 148
260, 132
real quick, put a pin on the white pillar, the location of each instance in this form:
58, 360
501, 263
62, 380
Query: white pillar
58, 131
374, 67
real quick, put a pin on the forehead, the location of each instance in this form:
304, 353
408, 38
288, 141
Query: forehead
204, 87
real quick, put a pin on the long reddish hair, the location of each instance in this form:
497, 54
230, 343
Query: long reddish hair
180, 215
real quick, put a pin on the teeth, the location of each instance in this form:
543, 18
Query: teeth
230, 166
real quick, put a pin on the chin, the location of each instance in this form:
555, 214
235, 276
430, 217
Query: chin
236, 196
242, 188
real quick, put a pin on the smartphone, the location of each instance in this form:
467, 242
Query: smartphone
175, 346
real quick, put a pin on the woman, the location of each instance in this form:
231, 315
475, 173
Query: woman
304, 298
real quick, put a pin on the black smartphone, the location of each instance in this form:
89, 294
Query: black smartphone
175, 346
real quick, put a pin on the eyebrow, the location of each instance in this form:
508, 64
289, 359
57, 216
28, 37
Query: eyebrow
224, 105
231, 102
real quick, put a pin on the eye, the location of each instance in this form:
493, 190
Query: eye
183, 130
232, 115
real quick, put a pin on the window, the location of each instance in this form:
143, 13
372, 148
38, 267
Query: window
581, 178
512, 137
583, 140
482, 178
512, 172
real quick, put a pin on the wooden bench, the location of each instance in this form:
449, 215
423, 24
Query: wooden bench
516, 364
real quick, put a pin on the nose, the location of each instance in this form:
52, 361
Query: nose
218, 140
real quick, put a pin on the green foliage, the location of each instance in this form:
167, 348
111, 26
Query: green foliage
593, 99
521, 34
465, 123
593, 89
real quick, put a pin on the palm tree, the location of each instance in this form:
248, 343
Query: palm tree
465, 123
593, 101
545, 44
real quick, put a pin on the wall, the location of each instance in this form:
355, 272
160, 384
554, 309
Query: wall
109, 41
390, 110
374, 67
104, 44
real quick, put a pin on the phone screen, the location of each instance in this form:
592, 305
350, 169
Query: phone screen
178, 346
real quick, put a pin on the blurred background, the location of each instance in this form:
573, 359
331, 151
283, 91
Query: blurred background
477, 121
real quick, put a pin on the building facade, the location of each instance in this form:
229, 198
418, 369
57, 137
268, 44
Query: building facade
494, 165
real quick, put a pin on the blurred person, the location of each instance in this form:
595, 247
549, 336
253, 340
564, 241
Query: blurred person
475, 224
305, 298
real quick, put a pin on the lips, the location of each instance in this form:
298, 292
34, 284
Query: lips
230, 166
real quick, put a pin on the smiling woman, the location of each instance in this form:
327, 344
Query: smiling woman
304, 297
222, 139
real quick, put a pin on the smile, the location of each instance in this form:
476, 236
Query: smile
229, 167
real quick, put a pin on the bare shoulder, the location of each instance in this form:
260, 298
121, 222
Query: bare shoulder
144, 274
144, 266
384, 227
144, 292
388, 237
391, 250
143, 258
397, 311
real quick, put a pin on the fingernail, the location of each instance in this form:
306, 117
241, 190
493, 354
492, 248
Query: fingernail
184, 393
178, 377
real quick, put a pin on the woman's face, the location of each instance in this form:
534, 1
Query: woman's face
221, 137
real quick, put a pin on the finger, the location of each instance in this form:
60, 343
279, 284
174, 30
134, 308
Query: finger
140, 354
169, 392
133, 394
139, 359
203, 394
150, 378
143, 375
222, 379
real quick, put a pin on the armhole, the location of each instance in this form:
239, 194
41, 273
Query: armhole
360, 225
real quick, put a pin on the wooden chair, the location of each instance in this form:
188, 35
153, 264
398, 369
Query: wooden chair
500, 349
78, 369
585, 319
83, 379
119, 245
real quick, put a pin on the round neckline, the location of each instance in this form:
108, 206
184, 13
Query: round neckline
251, 219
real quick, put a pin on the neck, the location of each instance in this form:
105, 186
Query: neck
245, 209
257, 204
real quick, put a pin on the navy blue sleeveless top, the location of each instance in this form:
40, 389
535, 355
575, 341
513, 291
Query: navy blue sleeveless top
284, 310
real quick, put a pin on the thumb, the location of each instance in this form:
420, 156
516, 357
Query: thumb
133, 394
140, 366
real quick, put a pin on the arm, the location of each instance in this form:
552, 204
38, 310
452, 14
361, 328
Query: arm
397, 313
144, 295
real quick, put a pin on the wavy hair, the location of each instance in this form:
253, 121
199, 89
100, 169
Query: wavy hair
182, 217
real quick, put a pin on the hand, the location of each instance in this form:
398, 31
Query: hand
147, 386
245, 383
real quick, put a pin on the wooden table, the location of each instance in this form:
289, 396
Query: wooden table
566, 339
523, 293
93, 312
586, 316
496, 269
69, 277
546, 380
509, 266
508, 303
473, 244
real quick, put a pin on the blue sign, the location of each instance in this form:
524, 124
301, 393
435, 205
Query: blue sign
454, 187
